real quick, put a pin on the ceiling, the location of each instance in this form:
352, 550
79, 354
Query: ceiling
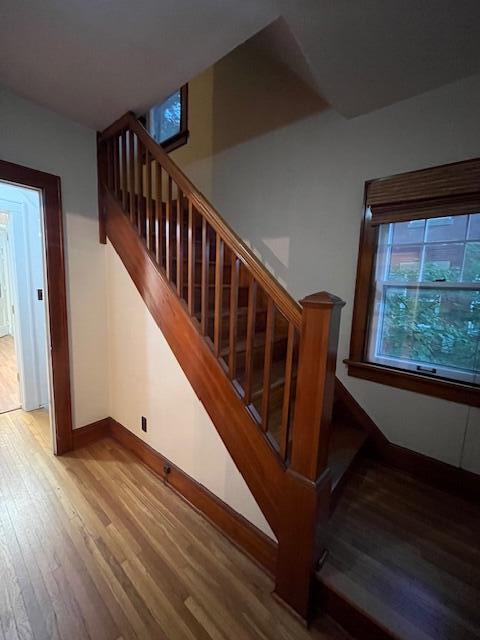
365, 54
92, 60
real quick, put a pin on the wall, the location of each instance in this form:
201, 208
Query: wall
288, 173
145, 379
197, 154
35, 137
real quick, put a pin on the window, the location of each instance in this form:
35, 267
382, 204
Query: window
426, 310
417, 307
167, 122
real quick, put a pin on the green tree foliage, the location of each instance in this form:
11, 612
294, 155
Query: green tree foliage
438, 326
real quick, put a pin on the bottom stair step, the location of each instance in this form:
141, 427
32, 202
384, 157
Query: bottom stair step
402, 559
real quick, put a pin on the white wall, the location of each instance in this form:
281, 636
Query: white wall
35, 137
288, 173
145, 379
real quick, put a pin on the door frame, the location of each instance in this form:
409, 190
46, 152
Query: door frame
49, 187
8, 293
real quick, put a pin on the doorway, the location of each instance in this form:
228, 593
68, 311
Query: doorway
23, 336
34, 357
9, 379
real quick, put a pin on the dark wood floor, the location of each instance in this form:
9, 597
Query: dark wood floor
407, 554
93, 546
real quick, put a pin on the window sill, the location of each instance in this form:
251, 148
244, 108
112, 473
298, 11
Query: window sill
176, 141
446, 389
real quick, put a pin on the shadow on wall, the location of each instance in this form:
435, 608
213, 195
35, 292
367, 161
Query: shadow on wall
255, 92
258, 90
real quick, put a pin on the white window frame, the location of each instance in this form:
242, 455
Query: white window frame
381, 283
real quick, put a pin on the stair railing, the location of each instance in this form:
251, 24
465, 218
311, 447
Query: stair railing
217, 276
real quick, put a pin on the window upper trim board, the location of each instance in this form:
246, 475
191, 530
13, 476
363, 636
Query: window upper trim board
452, 189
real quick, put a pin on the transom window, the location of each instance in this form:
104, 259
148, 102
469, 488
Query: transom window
167, 121
426, 302
416, 317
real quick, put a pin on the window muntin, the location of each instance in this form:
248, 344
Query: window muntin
425, 315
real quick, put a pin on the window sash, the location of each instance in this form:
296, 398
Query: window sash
377, 313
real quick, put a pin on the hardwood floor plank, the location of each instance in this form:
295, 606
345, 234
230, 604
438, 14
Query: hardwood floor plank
70, 573
100, 549
39, 527
13, 617
9, 388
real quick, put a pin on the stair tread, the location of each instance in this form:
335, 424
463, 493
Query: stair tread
345, 442
394, 544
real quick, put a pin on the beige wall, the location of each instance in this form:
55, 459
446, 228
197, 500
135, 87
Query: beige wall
197, 154
288, 173
35, 137
145, 379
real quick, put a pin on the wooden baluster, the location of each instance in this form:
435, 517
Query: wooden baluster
232, 339
102, 184
148, 198
158, 212
139, 186
307, 487
251, 315
191, 259
217, 336
287, 393
116, 171
131, 174
267, 365
168, 222
179, 234
109, 151
111, 175
205, 278
124, 170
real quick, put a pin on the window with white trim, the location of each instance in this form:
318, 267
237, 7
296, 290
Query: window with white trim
425, 307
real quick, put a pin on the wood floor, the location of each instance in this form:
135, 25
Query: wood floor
92, 545
407, 554
9, 390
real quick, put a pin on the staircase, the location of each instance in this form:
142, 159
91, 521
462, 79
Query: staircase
262, 364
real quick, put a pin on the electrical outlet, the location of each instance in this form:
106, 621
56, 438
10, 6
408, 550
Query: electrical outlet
144, 423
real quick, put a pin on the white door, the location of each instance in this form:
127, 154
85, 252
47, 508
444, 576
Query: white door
5, 303
25, 237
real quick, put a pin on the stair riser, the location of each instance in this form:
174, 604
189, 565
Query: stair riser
258, 357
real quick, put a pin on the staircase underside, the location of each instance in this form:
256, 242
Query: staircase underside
404, 554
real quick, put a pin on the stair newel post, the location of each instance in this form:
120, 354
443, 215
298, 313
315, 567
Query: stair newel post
306, 494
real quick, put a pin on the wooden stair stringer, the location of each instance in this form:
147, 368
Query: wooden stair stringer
253, 455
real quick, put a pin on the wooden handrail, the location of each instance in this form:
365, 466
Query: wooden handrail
283, 300
274, 359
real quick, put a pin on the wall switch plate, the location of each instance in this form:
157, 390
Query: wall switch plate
144, 423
